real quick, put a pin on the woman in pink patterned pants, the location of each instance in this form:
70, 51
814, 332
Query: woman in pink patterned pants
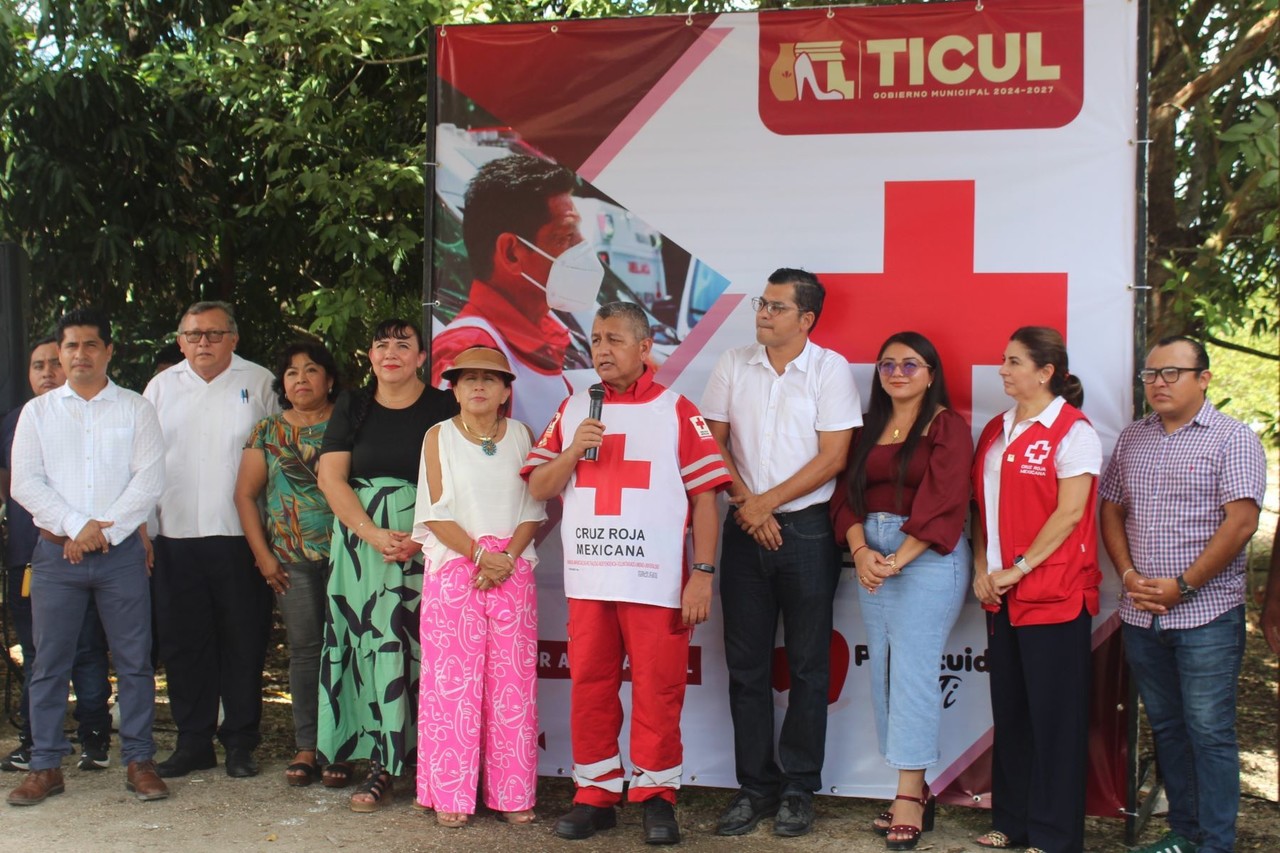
476, 520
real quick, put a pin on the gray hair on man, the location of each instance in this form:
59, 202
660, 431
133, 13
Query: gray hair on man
214, 305
632, 313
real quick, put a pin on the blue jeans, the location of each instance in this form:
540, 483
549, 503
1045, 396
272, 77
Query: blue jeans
910, 616
115, 582
798, 582
89, 673
1187, 680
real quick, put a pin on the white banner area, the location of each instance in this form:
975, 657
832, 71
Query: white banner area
954, 169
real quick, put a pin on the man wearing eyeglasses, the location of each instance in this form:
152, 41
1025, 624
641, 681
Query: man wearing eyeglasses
783, 411
1180, 501
213, 609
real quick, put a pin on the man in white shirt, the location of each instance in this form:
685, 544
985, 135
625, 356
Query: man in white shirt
89, 673
88, 464
213, 608
783, 411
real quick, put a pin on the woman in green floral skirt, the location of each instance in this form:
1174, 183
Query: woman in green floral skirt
368, 472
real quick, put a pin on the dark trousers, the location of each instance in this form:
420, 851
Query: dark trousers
1039, 680
89, 671
214, 614
798, 582
114, 583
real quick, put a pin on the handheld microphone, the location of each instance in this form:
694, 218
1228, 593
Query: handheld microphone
596, 393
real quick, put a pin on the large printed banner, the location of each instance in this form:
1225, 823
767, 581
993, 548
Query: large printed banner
958, 169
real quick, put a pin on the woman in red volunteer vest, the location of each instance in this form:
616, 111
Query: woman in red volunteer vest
1036, 573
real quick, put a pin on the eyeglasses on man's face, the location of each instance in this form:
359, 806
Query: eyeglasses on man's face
908, 367
773, 309
1170, 375
215, 336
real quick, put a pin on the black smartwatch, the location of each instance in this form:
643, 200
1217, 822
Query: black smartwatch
1186, 590
704, 567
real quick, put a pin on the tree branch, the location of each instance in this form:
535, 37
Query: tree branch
1218, 342
1213, 78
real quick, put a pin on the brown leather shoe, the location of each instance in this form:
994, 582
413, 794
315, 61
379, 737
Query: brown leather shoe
145, 782
38, 786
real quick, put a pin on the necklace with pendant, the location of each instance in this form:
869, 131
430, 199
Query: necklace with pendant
486, 441
896, 431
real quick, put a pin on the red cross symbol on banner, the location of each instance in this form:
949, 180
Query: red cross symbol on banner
929, 286
612, 473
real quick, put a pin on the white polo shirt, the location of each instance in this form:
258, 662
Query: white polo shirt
774, 420
205, 426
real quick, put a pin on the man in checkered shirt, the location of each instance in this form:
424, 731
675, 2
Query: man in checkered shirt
1180, 501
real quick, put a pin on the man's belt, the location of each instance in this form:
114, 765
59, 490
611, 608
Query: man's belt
817, 509
49, 537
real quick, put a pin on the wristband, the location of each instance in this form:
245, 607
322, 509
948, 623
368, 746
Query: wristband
507, 554
706, 568
856, 550
1125, 576
475, 557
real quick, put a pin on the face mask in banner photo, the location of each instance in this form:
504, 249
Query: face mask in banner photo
575, 278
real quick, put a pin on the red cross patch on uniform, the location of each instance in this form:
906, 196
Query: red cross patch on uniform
701, 426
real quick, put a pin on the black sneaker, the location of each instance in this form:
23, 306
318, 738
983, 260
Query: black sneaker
18, 760
95, 749
795, 815
583, 820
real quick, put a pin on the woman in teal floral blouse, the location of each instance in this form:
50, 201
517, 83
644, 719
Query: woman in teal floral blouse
292, 547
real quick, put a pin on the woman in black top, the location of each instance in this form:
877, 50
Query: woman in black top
368, 472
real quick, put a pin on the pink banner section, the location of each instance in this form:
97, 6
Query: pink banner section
651, 103
698, 339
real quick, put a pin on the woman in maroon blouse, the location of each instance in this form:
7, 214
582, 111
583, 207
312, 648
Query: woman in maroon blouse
908, 493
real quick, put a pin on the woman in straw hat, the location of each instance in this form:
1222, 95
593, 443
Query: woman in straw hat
476, 521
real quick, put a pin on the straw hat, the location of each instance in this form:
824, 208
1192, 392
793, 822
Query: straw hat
479, 358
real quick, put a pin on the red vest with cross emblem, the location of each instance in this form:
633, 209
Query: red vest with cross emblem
1056, 589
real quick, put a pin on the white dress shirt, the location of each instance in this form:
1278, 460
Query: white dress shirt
774, 420
1079, 452
205, 427
75, 460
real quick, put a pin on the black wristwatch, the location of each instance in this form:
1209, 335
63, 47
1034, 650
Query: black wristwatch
1186, 590
704, 567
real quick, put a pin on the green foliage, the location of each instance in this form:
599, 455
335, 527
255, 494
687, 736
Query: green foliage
270, 153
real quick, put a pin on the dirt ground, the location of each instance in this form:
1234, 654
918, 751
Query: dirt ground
210, 812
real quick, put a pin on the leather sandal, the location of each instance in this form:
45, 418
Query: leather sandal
336, 775
300, 774
929, 802
993, 840
882, 822
378, 786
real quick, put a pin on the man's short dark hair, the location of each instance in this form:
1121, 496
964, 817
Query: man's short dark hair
810, 294
1202, 355
632, 313
47, 339
84, 317
509, 195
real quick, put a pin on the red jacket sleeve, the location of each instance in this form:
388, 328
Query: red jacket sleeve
701, 465
941, 501
549, 445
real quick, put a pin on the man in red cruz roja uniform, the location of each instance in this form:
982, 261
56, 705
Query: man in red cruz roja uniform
624, 570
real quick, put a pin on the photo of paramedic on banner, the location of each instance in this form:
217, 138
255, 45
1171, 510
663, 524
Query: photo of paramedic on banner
527, 252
